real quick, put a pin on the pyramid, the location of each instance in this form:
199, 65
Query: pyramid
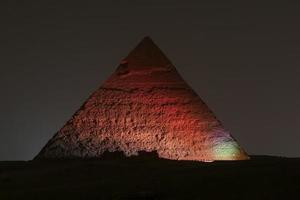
144, 106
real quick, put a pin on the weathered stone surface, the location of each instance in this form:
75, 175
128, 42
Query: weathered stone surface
145, 106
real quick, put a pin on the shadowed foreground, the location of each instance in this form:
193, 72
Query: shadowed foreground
150, 178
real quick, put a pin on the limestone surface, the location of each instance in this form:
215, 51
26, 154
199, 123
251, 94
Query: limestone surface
145, 105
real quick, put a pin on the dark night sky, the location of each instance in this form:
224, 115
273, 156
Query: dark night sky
242, 59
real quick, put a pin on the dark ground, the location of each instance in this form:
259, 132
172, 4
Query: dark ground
148, 178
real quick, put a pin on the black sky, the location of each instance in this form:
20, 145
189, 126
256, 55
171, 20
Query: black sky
242, 59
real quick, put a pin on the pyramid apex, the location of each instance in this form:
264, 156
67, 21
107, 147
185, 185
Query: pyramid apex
147, 42
148, 39
147, 54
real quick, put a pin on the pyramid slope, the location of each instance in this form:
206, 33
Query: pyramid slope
144, 106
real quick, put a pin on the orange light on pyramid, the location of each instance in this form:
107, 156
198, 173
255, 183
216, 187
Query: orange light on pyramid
145, 105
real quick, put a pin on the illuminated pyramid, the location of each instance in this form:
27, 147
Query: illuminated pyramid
144, 105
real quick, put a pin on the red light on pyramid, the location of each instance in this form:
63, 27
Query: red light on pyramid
145, 105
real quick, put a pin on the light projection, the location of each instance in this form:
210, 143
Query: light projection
145, 105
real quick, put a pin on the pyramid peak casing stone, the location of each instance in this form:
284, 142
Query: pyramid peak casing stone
144, 105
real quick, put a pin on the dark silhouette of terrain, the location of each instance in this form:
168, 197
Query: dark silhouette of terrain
147, 177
